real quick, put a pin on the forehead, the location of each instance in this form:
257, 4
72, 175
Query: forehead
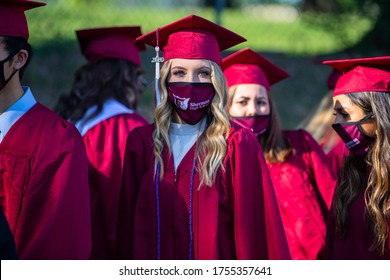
345, 103
190, 63
251, 91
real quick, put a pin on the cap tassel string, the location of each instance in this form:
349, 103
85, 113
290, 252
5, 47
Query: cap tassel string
190, 211
157, 59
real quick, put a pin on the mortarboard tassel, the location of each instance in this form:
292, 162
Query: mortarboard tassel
157, 59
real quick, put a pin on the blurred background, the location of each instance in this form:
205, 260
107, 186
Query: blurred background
294, 34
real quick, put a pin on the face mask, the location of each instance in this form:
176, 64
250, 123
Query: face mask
353, 136
3, 81
191, 100
258, 124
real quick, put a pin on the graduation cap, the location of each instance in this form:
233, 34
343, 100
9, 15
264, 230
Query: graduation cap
111, 42
192, 37
362, 74
13, 21
249, 67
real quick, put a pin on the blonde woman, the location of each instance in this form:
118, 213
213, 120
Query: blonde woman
195, 186
358, 227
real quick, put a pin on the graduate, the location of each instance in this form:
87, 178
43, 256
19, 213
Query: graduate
43, 164
102, 103
195, 186
302, 180
358, 225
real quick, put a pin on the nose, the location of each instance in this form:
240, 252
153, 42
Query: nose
193, 78
251, 110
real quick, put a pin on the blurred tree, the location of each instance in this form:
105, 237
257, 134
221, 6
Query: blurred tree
378, 38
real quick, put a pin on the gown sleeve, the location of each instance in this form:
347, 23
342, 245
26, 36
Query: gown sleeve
134, 161
258, 228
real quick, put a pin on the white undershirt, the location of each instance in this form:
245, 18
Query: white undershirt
111, 108
16, 111
183, 137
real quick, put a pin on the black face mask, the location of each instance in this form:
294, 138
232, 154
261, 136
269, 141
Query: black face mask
3, 81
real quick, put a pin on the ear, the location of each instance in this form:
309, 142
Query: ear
20, 59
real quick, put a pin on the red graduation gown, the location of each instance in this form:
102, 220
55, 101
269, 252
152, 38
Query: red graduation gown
359, 237
105, 144
304, 188
44, 187
336, 156
236, 218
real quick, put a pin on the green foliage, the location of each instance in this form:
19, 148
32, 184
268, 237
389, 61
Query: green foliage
345, 29
310, 34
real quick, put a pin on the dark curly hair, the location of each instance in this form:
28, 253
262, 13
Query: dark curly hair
96, 82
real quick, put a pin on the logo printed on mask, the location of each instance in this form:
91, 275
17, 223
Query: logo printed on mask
181, 102
352, 143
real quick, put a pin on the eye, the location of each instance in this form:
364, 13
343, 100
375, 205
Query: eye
242, 102
178, 73
261, 103
204, 74
343, 115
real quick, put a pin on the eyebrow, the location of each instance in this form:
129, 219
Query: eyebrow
341, 109
246, 97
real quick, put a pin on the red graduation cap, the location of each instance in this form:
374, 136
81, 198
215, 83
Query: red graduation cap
12, 18
111, 42
192, 37
362, 74
249, 67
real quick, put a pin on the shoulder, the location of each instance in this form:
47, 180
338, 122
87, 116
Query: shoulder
52, 127
122, 122
239, 135
132, 118
46, 119
145, 132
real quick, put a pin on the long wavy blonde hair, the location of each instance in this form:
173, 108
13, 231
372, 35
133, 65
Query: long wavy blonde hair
211, 145
353, 174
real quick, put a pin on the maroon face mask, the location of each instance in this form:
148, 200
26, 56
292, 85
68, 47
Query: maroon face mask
258, 124
353, 136
191, 100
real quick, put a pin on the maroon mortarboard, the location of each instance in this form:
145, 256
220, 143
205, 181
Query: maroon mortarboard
192, 37
111, 42
249, 67
12, 18
362, 74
